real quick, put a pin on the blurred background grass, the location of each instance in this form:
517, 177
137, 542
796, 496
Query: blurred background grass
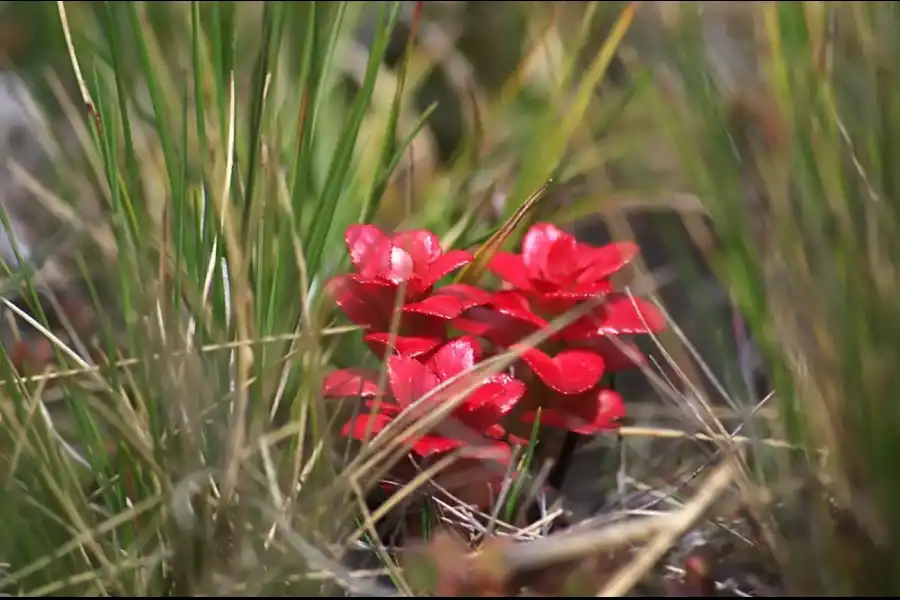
747, 147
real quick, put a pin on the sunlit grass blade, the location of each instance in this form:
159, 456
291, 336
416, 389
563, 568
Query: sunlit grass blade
339, 169
473, 272
549, 146
390, 153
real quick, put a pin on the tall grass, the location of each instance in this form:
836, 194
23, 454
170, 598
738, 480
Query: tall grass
795, 168
229, 145
229, 158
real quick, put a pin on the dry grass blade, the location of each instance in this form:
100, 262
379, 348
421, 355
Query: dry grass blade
663, 433
242, 306
124, 363
678, 524
564, 547
320, 562
80, 540
472, 273
667, 529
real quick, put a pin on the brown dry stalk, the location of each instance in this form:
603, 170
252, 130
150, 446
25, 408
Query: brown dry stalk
663, 433
678, 524
663, 531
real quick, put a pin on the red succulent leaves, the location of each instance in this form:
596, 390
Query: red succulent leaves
450, 301
350, 382
410, 346
554, 262
411, 381
619, 314
557, 271
366, 302
413, 258
569, 372
504, 321
400, 271
585, 414
394, 283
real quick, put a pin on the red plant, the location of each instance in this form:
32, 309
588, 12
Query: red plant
552, 275
410, 381
556, 268
563, 377
411, 262
402, 267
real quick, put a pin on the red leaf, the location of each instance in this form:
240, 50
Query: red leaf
365, 301
698, 577
560, 301
569, 372
409, 379
620, 314
439, 306
497, 432
429, 445
508, 321
469, 294
350, 382
536, 248
449, 302
584, 415
563, 262
455, 357
498, 326
510, 268
369, 249
400, 268
363, 427
619, 354
553, 261
422, 246
513, 302
412, 347
491, 402
636, 314
413, 257
444, 265
605, 261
